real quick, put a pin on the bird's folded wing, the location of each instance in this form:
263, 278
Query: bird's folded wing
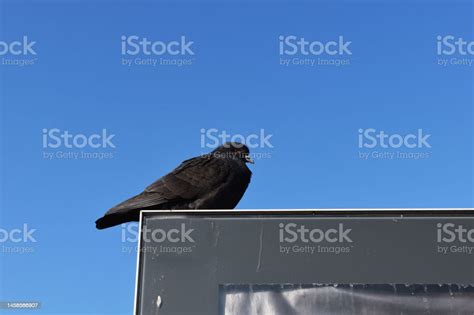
187, 182
193, 178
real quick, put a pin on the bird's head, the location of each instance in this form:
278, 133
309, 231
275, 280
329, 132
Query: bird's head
234, 150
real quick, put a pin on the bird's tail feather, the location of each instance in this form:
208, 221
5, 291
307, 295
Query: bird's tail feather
114, 219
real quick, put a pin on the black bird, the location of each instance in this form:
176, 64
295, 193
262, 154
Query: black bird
216, 180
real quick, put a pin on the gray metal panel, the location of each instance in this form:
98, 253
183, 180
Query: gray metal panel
223, 248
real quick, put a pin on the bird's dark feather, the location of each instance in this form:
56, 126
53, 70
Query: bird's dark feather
204, 182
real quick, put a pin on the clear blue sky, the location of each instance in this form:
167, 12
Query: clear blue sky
235, 84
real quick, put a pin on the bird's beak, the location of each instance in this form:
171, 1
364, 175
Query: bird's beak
248, 159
